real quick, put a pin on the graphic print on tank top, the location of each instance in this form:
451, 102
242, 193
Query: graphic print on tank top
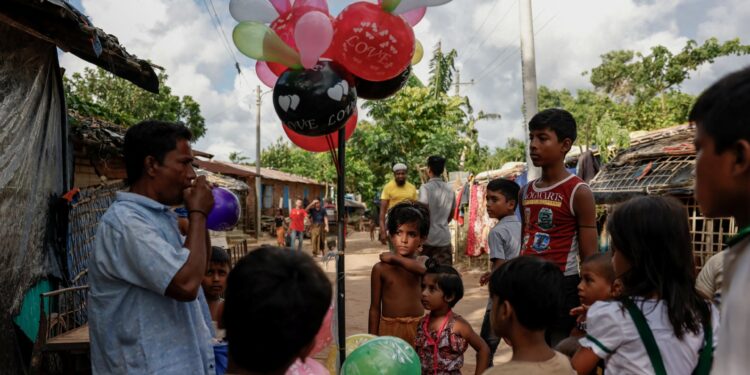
550, 226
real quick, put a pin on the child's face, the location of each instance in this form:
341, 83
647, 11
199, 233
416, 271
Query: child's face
432, 297
593, 287
407, 239
545, 149
215, 280
498, 206
715, 182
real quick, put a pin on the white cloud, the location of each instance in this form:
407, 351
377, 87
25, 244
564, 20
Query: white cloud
570, 37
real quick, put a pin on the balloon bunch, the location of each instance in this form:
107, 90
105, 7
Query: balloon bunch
318, 65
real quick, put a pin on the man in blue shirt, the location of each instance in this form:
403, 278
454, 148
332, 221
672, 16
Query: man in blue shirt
318, 227
147, 313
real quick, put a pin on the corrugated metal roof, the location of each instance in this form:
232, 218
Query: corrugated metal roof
273, 174
225, 167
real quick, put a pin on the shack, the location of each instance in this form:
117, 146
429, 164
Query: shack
278, 189
662, 162
36, 163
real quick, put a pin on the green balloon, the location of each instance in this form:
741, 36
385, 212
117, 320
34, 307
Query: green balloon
384, 355
258, 41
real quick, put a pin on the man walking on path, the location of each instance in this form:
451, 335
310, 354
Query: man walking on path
319, 219
297, 217
441, 200
394, 192
147, 312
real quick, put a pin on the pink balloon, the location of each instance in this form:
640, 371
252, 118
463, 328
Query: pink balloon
308, 367
282, 6
265, 74
413, 17
321, 5
324, 336
313, 34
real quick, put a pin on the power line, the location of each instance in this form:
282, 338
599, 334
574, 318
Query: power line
505, 51
490, 67
216, 20
476, 32
487, 35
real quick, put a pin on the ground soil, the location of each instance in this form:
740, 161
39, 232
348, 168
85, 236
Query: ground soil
362, 254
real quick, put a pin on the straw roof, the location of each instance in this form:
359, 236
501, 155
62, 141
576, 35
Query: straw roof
657, 162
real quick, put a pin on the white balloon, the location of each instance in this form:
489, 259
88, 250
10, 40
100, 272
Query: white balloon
407, 5
253, 10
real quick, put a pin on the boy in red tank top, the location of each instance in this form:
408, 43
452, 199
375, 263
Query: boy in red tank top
559, 215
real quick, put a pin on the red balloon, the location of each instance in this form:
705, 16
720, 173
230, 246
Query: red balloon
319, 143
371, 43
284, 28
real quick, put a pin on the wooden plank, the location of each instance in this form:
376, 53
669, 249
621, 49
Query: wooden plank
75, 339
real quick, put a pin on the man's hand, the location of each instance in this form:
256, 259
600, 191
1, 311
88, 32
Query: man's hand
383, 237
386, 257
198, 197
484, 279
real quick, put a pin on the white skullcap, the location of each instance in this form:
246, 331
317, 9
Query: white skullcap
399, 167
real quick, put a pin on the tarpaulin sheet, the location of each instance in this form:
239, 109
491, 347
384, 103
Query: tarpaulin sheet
33, 163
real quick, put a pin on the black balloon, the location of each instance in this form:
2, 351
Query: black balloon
315, 101
382, 89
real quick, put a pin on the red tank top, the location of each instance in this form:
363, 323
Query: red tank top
550, 226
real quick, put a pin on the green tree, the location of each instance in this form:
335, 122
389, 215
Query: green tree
442, 67
100, 94
291, 159
632, 91
632, 76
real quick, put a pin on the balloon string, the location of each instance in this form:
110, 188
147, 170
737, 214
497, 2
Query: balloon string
334, 154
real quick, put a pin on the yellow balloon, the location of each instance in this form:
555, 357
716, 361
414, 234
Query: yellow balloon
352, 342
418, 53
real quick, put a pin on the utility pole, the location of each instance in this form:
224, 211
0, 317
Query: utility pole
457, 87
258, 202
458, 83
528, 69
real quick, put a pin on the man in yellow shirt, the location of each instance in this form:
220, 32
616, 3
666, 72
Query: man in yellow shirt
395, 192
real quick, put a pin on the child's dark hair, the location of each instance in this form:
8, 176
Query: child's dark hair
722, 111
276, 300
558, 120
602, 262
652, 233
150, 138
219, 255
436, 164
409, 212
448, 280
509, 189
532, 286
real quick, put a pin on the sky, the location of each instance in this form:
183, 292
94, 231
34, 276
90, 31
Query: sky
570, 36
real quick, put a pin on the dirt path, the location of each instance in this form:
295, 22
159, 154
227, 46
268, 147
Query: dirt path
362, 254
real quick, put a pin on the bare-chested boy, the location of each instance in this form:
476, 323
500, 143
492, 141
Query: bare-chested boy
395, 304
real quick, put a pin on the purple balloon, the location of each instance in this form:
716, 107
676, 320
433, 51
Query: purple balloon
225, 213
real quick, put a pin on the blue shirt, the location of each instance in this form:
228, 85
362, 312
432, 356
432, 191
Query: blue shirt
134, 327
504, 239
317, 215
